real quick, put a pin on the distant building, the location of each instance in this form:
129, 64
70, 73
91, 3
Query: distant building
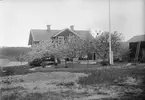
60, 36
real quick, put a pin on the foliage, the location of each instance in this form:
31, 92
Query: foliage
101, 45
7, 81
104, 63
43, 61
76, 47
36, 62
30, 56
124, 54
20, 58
67, 84
43, 49
73, 48
9, 72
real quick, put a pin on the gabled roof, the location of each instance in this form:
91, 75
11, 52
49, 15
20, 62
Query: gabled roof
85, 34
64, 30
41, 35
137, 38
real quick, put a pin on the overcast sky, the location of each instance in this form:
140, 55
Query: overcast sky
17, 17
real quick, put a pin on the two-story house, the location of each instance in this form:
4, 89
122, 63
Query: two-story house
58, 36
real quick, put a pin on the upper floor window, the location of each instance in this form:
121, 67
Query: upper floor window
60, 39
70, 37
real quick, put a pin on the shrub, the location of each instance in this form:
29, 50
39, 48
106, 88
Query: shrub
46, 60
7, 81
66, 84
36, 62
9, 71
117, 60
104, 63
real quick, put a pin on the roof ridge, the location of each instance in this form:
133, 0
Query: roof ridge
64, 30
81, 30
45, 29
37, 29
59, 29
134, 37
139, 35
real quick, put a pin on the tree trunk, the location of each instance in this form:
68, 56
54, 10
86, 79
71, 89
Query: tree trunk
66, 63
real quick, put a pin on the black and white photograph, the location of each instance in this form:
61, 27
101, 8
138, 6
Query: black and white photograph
72, 49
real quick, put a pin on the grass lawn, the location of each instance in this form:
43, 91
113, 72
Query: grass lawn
24, 69
77, 82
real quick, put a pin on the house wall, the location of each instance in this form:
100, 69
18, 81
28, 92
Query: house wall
30, 39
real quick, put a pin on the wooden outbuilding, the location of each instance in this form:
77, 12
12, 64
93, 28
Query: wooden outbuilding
137, 48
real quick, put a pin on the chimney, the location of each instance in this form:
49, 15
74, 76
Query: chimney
72, 27
48, 27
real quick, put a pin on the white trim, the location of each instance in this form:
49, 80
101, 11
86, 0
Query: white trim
31, 32
64, 30
75, 33
59, 32
91, 33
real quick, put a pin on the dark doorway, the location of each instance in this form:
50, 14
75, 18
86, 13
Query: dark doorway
133, 48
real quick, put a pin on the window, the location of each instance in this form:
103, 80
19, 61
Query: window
60, 39
70, 37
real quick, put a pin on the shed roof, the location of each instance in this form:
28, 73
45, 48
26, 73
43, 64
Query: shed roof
137, 38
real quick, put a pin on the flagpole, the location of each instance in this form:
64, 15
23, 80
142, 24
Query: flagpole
110, 51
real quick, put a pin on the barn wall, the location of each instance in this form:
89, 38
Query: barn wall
133, 47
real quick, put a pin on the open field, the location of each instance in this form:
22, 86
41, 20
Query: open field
80, 82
